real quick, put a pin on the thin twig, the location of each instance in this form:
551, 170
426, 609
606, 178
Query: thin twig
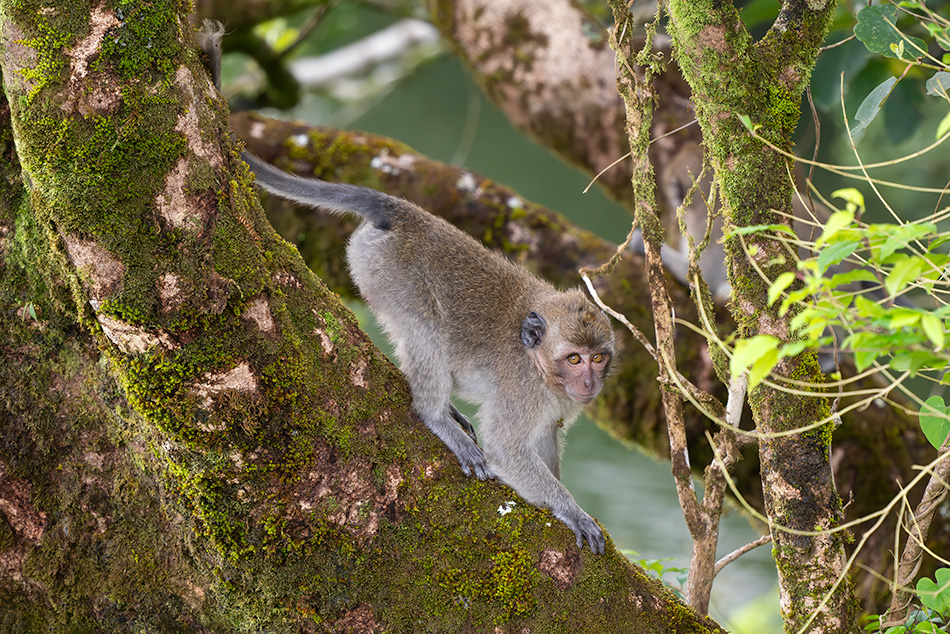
738, 552
639, 336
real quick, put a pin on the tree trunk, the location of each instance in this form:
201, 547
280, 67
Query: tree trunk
195, 435
732, 75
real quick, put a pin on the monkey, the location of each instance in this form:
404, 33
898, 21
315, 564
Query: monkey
210, 36
465, 320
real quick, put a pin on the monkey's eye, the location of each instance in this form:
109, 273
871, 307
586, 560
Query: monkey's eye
598, 358
574, 358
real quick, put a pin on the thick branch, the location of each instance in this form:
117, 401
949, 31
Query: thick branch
549, 68
875, 448
264, 471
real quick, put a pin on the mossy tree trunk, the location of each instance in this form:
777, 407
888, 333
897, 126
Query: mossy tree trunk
870, 447
194, 433
505, 44
731, 74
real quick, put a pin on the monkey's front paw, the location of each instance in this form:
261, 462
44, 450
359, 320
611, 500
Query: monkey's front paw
473, 463
585, 527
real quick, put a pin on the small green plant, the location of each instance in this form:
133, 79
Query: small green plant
930, 617
919, 621
658, 569
935, 595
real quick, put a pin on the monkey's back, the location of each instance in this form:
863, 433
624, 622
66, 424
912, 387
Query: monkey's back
426, 275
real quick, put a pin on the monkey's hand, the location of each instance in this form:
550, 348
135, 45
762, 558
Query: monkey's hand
473, 462
456, 437
584, 527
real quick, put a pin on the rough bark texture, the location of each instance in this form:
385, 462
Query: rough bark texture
731, 75
873, 451
194, 434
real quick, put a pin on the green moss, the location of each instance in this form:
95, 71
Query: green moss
141, 46
514, 576
50, 63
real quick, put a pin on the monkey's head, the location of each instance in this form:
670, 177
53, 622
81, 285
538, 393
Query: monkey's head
572, 344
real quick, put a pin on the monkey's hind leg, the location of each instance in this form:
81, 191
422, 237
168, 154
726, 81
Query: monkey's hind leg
431, 385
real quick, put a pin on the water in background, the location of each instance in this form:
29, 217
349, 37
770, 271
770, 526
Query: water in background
634, 497
631, 494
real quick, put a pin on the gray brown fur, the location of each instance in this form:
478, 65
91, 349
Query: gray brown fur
465, 320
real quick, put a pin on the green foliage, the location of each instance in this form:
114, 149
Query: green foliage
934, 421
936, 595
932, 617
917, 622
899, 259
759, 354
658, 569
872, 104
877, 29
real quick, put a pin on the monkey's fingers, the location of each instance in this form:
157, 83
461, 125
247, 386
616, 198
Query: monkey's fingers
478, 468
587, 528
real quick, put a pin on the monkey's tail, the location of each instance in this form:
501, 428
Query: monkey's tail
341, 198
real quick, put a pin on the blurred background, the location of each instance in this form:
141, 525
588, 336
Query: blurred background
421, 95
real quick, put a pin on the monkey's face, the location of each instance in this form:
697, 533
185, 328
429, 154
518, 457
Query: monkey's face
572, 349
578, 372
581, 373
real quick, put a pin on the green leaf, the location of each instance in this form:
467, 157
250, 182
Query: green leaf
934, 421
866, 308
762, 367
748, 351
942, 239
793, 298
856, 275
943, 127
936, 596
896, 236
778, 287
841, 219
875, 28
900, 317
808, 317
903, 272
795, 348
872, 104
939, 85
747, 122
914, 360
864, 347
835, 253
864, 358
934, 329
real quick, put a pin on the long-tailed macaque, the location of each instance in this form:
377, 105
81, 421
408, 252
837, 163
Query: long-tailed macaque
465, 320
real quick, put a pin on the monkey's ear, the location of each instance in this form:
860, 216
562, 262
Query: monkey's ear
532, 329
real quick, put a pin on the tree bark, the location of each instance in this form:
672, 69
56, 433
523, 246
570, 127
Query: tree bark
874, 451
731, 75
195, 435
